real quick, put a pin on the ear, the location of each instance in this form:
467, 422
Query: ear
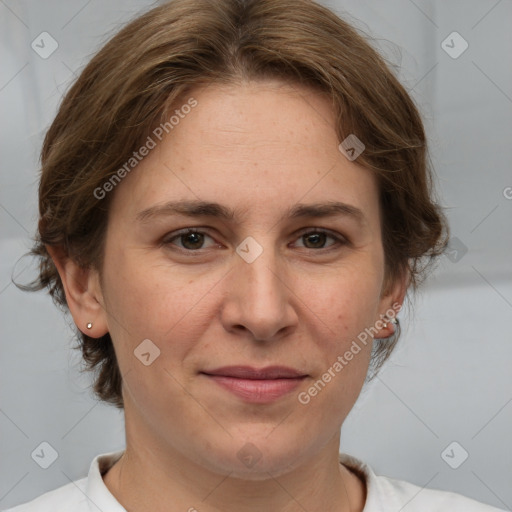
83, 293
391, 301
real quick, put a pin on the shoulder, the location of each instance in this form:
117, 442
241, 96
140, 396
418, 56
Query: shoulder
421, 498
89, 493
68, 497
385, 493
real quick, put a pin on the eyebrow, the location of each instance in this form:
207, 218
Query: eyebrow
198, 208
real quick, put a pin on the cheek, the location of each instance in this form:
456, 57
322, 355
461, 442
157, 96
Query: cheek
345, 304
155, 302
345, 358
345, 300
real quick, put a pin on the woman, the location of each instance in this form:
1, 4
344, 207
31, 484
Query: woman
234, 203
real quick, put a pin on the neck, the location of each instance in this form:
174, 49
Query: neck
147, 479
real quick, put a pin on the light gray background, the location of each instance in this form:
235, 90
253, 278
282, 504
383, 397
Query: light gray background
450, 379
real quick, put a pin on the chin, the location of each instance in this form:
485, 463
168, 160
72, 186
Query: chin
257, 457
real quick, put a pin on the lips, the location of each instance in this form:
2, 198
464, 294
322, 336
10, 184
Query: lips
257, 386
250, 373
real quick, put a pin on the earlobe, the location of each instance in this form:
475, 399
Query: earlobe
391, 304
83, 293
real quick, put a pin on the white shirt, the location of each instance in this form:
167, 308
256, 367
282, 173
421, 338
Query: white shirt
384, 494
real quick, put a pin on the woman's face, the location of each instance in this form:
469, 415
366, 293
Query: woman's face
251, 288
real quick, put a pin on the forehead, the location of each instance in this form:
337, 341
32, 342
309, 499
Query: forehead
255, 145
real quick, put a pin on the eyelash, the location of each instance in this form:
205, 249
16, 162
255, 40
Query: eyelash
339, 239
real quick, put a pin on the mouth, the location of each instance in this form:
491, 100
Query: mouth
257, 385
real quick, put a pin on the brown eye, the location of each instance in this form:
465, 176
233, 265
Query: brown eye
314, 240
192, 240
188, 240
317, 239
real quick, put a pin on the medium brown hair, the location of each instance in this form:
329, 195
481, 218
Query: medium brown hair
131, 84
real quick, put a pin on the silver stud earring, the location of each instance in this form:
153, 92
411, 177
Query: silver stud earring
89, 325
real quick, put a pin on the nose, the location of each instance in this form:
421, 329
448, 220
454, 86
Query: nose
259, 298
